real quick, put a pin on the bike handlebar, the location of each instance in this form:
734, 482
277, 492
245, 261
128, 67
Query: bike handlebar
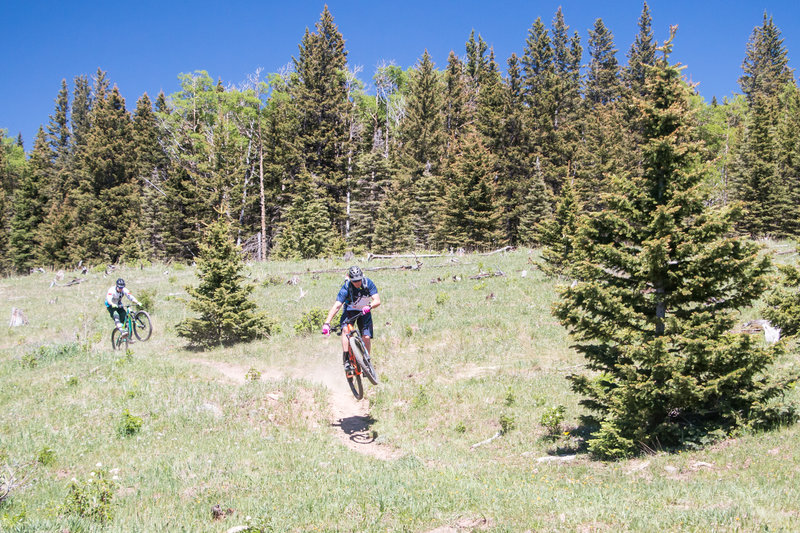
338, 327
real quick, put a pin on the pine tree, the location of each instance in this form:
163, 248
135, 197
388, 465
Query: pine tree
456, 110
423, 136
58, 129
394, 224
659, 282
5, 210
227, 315
603, 144
789, 160
557, 235
306, 231
151, 165
766, 63
782, 307
642, 53
470, 216
374, 180
81, 109
106, 203
29, 207
320, 97
756, 174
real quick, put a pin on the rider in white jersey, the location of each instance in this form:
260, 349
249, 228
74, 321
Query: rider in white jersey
114, 304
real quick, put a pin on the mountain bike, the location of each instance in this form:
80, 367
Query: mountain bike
136, 323
360, 360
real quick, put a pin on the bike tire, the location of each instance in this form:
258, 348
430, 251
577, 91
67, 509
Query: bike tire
362, 357
117, 342
142, 326
356, 387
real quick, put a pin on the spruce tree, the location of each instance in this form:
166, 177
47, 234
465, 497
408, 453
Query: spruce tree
782, 307
659, 284
470, 217
642, 53
394, 220
789, 160
306, 231
227, 315
5, 210
320, 97
29, 207
106, 200
766, 64
557, 235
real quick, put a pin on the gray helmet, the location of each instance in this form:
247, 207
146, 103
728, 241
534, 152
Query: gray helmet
355, 274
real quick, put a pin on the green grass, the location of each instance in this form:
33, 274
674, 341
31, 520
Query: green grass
455, 358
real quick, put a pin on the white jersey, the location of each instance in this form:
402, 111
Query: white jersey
114, 298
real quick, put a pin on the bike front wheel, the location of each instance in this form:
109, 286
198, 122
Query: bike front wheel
356, 387
363, 359
142, 327
118, 341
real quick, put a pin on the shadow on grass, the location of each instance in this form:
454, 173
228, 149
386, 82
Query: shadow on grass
357, 428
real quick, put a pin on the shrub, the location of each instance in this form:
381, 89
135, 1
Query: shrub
783, 304
310, 322
46, 456
507, 423
147, 297
552, 417
129, 424
252, 375
92, 499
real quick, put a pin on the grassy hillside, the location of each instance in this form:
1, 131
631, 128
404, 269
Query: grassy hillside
153, 440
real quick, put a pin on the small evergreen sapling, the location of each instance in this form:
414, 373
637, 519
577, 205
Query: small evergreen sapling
227, 315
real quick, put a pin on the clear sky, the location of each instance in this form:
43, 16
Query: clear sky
143, 45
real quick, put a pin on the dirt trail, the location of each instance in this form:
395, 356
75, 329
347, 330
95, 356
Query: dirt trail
349, 416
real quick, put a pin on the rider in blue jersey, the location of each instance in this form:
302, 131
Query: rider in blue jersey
358, 295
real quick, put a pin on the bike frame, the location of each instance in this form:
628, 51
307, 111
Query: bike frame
349, 329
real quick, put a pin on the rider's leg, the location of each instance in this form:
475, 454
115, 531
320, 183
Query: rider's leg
114, 312
367, 343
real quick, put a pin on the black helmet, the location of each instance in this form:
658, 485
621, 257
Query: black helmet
355, 274
120, 283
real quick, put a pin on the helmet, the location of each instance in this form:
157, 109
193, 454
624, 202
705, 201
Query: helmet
355, 274
120, 283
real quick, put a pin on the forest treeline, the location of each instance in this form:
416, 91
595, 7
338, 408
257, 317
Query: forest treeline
306, 162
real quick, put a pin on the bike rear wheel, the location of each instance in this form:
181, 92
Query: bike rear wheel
142, 327
362, 356
118, 341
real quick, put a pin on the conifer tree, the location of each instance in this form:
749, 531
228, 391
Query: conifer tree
306, 230
642, 53
394, 220
470, 217
222, 300
603, 142
456, 111
106, 199
789, 160
766, 64
659, 282
756, 174
5, 210
29, 207
58, 128
557, 235
374, 179
150, 167
782, 307
81, 108
423, 137
320, 96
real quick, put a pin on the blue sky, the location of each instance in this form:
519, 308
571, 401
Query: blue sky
144, 45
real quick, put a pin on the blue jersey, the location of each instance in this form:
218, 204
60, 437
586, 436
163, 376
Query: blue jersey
355, 298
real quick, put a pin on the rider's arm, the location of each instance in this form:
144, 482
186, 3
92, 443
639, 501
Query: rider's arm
332, 313
375, 302
131, 296
110, 297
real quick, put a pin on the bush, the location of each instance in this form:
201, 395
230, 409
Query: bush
46, 456
147, 297
129, 424
92, 499
552, 418
507, 423
310, 322
783, 304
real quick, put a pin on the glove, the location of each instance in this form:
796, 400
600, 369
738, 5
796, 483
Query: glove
326, 329
365, 310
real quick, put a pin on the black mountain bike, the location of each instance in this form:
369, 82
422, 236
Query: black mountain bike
359, 357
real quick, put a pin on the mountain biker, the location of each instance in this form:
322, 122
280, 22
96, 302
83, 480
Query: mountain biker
358, 295
114, 304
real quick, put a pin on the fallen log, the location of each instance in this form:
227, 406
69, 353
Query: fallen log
488, 275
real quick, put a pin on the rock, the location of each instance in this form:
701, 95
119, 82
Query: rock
555, 458
59, 275
18, 318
